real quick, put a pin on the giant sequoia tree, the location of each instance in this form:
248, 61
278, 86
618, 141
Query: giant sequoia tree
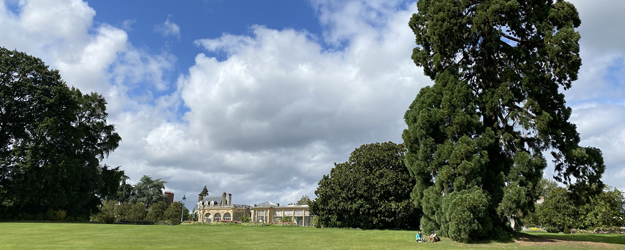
371, 190
52, 139
475, 139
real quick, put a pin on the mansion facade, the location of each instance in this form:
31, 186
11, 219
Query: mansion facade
217, 208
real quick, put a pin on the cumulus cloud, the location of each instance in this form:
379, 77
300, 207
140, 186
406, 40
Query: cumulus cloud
168, 28
269, 120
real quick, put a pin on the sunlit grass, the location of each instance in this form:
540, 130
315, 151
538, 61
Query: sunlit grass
100, 236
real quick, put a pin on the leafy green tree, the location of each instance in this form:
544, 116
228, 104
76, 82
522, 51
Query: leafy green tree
124, 191
137, 213
107, 212
371, 190
172, 214
558, 210
52, 139
481, 129
122, 213
304, 200
156, 212
148, 191
546, 185
605, 209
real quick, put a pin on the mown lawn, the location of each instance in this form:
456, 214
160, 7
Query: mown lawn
606, 238
97, 236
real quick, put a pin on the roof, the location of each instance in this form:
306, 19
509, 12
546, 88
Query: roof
267, 204
216, 199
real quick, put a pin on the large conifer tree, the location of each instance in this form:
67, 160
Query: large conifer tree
475, 139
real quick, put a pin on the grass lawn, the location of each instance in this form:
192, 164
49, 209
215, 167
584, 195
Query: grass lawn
96, 236
607, 238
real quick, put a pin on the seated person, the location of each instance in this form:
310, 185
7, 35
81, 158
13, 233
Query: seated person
434, 237
419, 237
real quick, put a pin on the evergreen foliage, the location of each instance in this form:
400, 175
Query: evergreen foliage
148, 191
475, 139
371, 190
303, 201
52, 139
204, 192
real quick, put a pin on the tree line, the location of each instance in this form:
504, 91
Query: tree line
143, 203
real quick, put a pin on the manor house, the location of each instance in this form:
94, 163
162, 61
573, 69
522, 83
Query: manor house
216, 208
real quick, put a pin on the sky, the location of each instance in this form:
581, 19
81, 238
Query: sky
261, 98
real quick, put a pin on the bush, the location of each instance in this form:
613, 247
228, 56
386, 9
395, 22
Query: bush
314, 221
285, 224
55, 215
566, 230
245, 219
286, 219
551, 229
255, 224
156, 212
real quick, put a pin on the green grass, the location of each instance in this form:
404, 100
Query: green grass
97, 236
606, 238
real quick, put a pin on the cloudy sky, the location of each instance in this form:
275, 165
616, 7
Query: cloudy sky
260, 98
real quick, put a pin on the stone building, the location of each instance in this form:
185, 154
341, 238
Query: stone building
269, 212
216, 208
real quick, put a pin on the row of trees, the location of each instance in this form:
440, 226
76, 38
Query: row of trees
560, 210
143, 203
52, 139
475, 139
138, 213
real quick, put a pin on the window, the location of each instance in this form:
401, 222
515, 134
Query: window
217, 217
307, 213
288, 213
277, 213
260, 219
227, 216
207, 217
299, 212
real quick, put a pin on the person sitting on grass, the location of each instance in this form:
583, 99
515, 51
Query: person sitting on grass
434, 237
420, 237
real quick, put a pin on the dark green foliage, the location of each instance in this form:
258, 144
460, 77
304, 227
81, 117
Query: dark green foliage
475, 139
371, 190
605, 209
156, 212
173, 213
204, 192
148, 191
52, 139
559, 210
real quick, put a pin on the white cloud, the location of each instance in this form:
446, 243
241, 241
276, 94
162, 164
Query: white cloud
127, 24
168, 28
273, 116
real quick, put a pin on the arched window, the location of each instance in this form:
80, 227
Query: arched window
227, 216
217, 217
207, 217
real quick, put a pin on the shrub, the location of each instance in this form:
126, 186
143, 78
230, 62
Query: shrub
551, 229
285, 224
566, 230
245, 219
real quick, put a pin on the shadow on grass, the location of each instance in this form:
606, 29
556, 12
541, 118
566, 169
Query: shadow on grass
603, 238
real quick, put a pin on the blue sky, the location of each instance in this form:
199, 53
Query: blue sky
260, 98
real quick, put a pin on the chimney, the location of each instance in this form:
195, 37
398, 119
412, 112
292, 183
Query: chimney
229, 199
223, 199
169, 197
278, 204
